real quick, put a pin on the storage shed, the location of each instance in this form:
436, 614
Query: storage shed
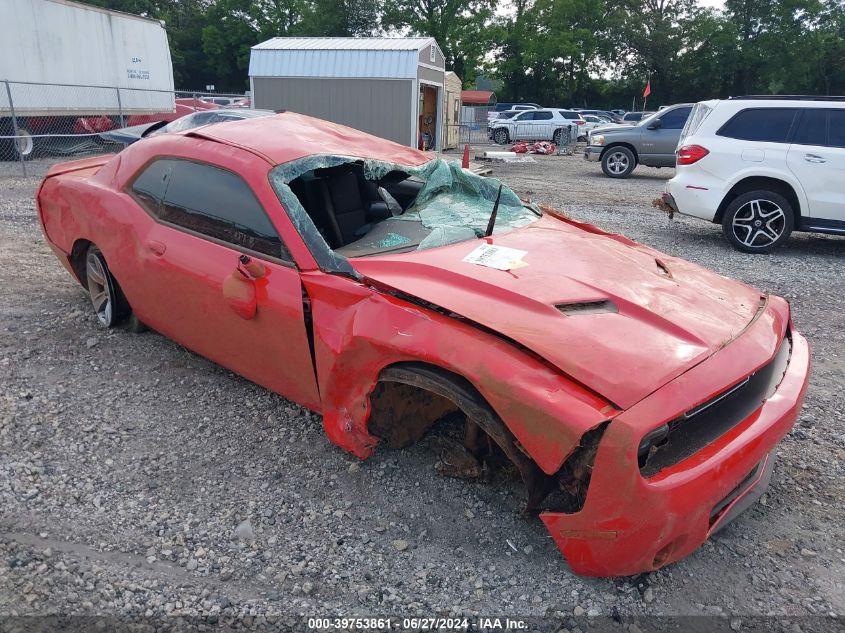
390, 87
452, 110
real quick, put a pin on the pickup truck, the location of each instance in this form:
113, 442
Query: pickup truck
651, 142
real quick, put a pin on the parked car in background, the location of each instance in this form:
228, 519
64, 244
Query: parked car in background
763, 167
546, 124
128, 135
641, 397
225, 102
610, 116
501, 116
592, 121
650, 142
501, 107
504, 107
634, 117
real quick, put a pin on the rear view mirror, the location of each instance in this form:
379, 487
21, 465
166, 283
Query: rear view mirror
654, 125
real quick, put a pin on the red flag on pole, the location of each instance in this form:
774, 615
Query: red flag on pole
647, 90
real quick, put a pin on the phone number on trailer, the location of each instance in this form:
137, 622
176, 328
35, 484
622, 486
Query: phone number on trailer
419, 624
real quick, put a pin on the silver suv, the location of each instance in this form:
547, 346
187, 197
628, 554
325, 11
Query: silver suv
546, 124
650, 142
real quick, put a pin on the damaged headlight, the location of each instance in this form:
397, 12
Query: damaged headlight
652, 439
597, 139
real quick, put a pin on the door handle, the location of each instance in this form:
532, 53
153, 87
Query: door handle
156, 247
814, 158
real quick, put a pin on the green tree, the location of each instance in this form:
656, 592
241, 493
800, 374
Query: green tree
459, 26
342, 18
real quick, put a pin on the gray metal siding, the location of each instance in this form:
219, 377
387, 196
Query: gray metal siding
425, 56
378, 106
429, 74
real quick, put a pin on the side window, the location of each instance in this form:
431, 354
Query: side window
150, 186
760, 124
213, 202
525, 116
812, 130
836, 131
675, 119
542, 116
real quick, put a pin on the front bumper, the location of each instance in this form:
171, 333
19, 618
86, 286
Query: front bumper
630, 524
592, 153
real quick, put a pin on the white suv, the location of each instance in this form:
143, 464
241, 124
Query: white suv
763, 167
545, 124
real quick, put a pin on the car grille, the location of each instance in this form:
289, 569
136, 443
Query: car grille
703, 424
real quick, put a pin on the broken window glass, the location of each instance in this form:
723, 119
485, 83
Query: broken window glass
350, 207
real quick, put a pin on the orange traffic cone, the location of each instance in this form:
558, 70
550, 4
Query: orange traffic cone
465, 161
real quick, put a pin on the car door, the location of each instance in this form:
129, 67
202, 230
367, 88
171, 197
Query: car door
660, 137
217, 276
543, 126
522, 125
817, 158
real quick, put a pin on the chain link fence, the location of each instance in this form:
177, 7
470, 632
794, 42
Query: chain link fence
455, 136
47, 122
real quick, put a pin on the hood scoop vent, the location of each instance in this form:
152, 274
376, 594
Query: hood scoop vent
587, 307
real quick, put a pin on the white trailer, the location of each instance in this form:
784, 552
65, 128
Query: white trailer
61, 60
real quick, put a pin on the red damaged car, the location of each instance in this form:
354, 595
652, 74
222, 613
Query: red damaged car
641, 397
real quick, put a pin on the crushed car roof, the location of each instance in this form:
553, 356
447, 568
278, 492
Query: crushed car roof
289, 136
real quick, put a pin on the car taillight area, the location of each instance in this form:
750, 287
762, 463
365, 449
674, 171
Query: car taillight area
689, 154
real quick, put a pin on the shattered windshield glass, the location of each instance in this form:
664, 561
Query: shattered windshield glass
361, 207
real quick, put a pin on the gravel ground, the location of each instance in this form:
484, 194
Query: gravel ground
138, 479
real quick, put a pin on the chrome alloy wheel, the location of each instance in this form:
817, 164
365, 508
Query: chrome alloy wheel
617, 163
99, 288
758, 223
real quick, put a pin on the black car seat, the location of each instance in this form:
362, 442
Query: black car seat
347, 205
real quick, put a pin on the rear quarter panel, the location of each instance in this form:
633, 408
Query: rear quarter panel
80, 201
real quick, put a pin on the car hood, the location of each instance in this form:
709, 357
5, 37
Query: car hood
616, 316
619, 127
127, 134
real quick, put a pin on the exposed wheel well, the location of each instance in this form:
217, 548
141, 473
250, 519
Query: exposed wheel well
760, 182
77, 259
411, 396
626, 145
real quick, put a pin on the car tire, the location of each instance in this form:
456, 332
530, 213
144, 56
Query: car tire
557, 136
501, 136
134, 325
618, 162
758, 221
106, 297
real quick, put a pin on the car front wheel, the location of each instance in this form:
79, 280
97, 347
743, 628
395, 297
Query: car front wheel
758, 221
618, 162
501, 136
